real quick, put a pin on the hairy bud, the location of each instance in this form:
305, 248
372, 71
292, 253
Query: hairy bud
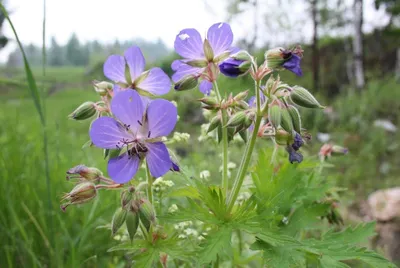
296, 119
117, 220
147, 213
82, 193
304, 98
274, 115
102, 88
186, 83
84, 111
236, 119
286, 121
132, 223
214, 123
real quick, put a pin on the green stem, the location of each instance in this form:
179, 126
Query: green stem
274, 153
149, 184
247, 153
225, 179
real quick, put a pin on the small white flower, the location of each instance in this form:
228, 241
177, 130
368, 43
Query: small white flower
231, 165
182, 236
205, 174
172, 209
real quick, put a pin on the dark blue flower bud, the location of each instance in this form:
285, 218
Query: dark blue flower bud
234, 68
294, 156
175, 167
298, 142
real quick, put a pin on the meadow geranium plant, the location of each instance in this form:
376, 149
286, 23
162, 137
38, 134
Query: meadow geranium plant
274, 209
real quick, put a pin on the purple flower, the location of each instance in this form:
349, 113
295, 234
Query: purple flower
153, 81
294, 156
138, 130
293, 64
201, 59
232, 67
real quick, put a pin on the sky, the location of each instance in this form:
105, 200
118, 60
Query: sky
106, 20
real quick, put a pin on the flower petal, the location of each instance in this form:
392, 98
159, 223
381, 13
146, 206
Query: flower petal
220, 37
127, 106
158, 159
106, 132
114, 68
293, 65
161, 117
123, 168
205, 87
157, 82
185, 70
188, 44
135, 60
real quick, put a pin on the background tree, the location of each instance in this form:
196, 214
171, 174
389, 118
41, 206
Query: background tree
358, 44
56, 53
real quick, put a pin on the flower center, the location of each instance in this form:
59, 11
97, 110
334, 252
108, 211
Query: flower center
138, 149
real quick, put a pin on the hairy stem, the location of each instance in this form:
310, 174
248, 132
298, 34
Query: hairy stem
225, 181
149, 184
247, 153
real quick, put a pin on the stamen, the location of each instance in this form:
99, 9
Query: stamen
148, 135
140, 123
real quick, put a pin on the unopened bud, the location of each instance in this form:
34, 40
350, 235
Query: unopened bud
209, 101
241, 96
243, 105
214, 123
132, 223
89, 173
336, 149
244, 135
208, 51
241, 55
117, 220
286, 121
188, 82
304, 98
275, 57
237, 119
82, 193
84, 111
102, 87
147, 213
223, 56
296, 119
274, 115
127, 196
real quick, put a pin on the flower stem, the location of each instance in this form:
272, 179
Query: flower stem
225, 181
247, 153
149, 184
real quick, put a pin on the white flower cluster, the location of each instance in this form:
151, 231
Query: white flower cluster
178, 137
204, 136
173, 208
191, 230
243, 196
205, 174
231, 165
161, 185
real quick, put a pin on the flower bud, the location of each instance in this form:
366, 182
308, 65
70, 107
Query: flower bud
102, 87
187, 82
84, 111
237, 119
234, 68
286, 121
243, 105
274, 57
132, 223
241, 96
208, 51
147, 213
117, 220
175, 167
336, 149
214, 123
294, 156
297, 142
209, 101
244, 135
304, 98
89, 173
296, 119
82, 193
197, 63
242, 55
127, 196
274, 115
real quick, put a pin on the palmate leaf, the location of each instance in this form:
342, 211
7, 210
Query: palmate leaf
333, 248
217, 243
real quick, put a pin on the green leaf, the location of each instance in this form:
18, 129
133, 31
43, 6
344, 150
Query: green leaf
217, 243
146, 258
128, 246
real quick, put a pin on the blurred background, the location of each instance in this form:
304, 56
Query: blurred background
351, 62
